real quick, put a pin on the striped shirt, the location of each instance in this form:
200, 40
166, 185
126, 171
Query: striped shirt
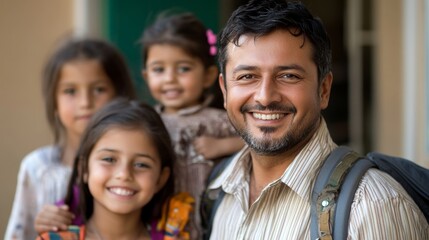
381, 209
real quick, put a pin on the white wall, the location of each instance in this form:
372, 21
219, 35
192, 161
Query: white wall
388, 75
400, 81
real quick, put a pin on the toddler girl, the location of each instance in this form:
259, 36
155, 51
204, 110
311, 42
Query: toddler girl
79, 78
179, 68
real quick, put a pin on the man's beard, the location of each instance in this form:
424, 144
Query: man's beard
296, 133
271, 147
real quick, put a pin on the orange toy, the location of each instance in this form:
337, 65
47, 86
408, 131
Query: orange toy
174, 221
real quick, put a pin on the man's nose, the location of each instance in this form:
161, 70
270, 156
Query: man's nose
267, 92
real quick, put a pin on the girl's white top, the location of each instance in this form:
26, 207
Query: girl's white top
42, 179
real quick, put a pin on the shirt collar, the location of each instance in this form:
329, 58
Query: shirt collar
237, 170
302, 172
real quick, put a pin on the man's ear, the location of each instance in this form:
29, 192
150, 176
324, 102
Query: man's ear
165, 174
325, 90
223, 88
211, 75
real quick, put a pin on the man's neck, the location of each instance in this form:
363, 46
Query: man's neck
266, 169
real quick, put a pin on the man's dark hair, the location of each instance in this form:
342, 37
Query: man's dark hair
261, 17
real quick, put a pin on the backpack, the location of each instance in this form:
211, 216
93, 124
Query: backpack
334, 189
338, 179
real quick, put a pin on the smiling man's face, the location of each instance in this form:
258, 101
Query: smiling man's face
271, 91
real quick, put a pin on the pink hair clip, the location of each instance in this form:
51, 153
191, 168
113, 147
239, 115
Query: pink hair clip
211, 39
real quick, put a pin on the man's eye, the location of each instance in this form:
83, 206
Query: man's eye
245, 76
290, 77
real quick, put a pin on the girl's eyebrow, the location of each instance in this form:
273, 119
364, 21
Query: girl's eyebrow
68, 82
107, 150
186, 61
144, 155
179, 62
154, 62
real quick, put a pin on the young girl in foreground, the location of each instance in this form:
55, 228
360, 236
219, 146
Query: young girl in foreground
79, 78
179, 67
123, 170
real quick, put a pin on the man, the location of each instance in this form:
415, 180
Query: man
276, 78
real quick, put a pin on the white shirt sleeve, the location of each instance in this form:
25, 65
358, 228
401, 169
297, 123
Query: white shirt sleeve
21, 221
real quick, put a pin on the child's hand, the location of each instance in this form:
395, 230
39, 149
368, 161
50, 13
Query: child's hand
53, 218
213, 148
207, 147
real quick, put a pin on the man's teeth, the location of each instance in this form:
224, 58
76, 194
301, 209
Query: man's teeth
274, 116
122, 191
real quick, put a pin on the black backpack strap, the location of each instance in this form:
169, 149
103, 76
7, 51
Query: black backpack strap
346, 196
326, 189
211, 200
215, 206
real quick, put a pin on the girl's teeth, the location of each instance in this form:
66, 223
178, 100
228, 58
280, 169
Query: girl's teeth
122, 191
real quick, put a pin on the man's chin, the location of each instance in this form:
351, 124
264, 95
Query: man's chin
267, 147
264, 152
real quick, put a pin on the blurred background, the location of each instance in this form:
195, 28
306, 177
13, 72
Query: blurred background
379, 99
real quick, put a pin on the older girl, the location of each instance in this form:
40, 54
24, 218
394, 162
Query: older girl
80, 77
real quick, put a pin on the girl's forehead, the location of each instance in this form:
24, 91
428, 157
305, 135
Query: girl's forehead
82, 61
83, 71
169, 53
126, 138
167, 47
